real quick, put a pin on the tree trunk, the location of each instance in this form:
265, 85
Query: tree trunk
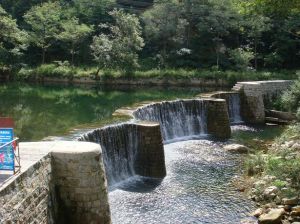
188, 36
217, 59
72, 53
43, 56
164, 54
97, 73
72, 60
255, 53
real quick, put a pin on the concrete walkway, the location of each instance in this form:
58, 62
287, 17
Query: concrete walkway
31, 152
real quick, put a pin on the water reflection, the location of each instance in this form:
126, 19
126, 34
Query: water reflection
41, 111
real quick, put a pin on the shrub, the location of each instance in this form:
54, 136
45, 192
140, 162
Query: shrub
255, 164
291, 98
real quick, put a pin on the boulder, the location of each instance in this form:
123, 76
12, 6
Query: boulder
295, 211
269, 178
259, 183
290, 201
296, 146
270, 192
274, 216
236, 148
258, 212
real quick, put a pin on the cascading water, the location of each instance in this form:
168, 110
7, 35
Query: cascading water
119, 145
178, 119
234, 108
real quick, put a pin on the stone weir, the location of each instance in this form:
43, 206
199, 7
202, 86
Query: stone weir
233, 101
184, 118
248, 100
130, 149
257, 95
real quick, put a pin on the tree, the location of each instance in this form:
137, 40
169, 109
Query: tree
164, 28
217, 20
93, 12
45, 23
12, 39
119, 48
74, 33
272, 29
258, 24
241, 57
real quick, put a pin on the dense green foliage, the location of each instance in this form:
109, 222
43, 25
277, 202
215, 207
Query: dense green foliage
118, 49
191, 34
291, 98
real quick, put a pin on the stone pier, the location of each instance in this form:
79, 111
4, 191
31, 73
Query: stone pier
218, 123
139, 144
150, 158
80, 186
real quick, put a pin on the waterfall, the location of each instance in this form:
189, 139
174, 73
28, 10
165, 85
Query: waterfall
119, 145
234, 108
178, 119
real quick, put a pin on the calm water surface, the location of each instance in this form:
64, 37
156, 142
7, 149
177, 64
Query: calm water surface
42, 111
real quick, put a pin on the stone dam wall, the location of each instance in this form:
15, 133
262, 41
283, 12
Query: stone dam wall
233, 101
130, 149
27, 199
67, 185
184, 118
255, 97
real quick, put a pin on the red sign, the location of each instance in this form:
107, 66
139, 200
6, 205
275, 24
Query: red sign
6, 122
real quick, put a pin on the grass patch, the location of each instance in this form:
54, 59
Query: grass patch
283, 163
64, 70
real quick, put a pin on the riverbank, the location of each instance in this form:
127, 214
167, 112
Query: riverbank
272, 178
175, 77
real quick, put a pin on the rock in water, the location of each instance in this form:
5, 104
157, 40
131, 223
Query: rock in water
236, 148
274, 216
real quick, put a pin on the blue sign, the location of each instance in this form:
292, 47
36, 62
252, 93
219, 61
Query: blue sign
7, 159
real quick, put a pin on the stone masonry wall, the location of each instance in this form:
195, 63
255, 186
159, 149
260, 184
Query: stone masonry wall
256, 95
80, 186
150, 158
27, 198
218, 123
67, 185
